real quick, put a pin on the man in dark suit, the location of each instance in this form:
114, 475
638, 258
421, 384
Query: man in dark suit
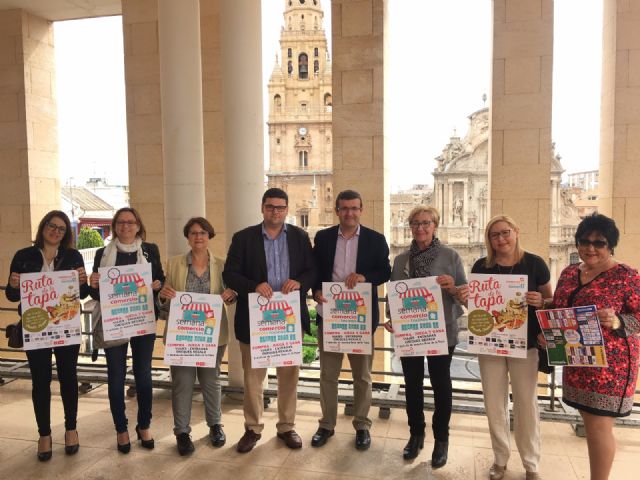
269, 257
349, 253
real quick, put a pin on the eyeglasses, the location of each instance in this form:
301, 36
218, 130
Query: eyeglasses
199, 234
349, 209
130, 223
585, 242
274, 208
415, 224
59, 228
501, 233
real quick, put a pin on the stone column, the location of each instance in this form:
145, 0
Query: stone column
358, 96
450, 202
619, 195
28, 130
181, 100
520, 117
241, 44
144, 115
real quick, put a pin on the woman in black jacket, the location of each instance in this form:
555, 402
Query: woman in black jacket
127, 248
52, 250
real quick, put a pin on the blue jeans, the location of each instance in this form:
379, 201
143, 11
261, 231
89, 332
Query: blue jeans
141, 353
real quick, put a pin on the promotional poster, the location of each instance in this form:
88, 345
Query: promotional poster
346, 320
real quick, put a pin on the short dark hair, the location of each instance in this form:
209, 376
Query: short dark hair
203, 222
598, 223
142, 232
275, 193
67, 238
348, 195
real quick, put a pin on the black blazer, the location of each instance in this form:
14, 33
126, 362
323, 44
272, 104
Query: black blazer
246, 268
372, 261
151, 254
29, 260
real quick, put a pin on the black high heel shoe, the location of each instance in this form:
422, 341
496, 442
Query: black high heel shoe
148, 444
44, 456
71, 449
123, 447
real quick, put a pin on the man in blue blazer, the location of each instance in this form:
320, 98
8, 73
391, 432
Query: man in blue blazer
265, 258
349, 253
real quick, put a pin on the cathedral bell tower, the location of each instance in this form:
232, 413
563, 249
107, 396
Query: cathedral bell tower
299, 90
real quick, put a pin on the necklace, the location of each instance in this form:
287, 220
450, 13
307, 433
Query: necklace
505, 272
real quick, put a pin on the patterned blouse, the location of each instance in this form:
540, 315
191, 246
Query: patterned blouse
607, 391
195, 283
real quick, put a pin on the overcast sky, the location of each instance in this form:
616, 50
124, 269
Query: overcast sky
440, 68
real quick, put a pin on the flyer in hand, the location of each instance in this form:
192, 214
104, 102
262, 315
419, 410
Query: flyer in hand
574, 336
418, 318
346, 323
498, 315
276, 330
50, 304
126, 301
193, 330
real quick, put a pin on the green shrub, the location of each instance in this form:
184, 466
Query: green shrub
309, 353
89, 238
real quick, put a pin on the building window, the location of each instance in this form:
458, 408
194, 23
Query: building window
277, 102
327, 100
289, 53
315, 52
304, 220
289, 67
316, 67
277, 141
303, 66
303, 158
303, 107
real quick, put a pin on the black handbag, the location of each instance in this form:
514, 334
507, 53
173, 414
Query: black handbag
543, 362
14, 334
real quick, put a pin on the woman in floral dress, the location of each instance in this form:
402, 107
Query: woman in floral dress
601, 394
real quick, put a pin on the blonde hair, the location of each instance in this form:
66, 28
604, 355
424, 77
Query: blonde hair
490, 261
432, 211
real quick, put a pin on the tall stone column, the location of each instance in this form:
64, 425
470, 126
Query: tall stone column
520, 117
28, 130
181, 99
619, 195
241, 44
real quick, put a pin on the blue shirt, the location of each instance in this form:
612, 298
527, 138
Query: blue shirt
276, 252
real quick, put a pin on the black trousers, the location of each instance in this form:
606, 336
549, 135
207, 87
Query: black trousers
440, 376
66, 365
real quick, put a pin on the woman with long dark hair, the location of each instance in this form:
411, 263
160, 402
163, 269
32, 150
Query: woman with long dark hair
52, 250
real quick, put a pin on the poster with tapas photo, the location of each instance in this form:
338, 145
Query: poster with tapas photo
275, 329
193, 330
498, 315
50, 304
347, 323
126, 301
574, 336
418, 318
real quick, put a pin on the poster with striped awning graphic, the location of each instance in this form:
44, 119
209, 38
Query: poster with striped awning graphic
347, 323
193, 330
126, 301
275, 329
417, 317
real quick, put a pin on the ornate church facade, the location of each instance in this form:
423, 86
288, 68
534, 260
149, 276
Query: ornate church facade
460, 193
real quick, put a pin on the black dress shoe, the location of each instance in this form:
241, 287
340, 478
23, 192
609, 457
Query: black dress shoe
413, 446
363, 439
439, 455
217, 436
185, 445
123, 447
44, 456
321, 436
148, 444
248, 441
71, 449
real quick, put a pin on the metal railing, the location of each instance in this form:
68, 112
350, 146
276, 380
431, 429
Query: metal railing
386, 394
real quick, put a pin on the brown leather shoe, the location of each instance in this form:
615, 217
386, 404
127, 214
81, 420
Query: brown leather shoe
291, 439
248, 441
